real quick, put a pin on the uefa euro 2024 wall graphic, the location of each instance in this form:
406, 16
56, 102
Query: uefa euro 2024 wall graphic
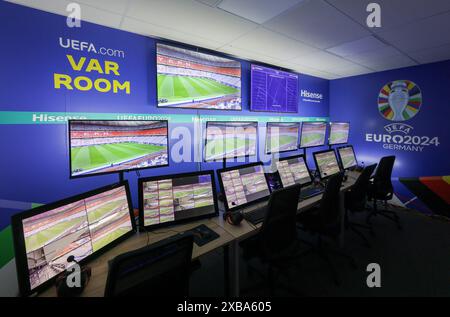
399, 100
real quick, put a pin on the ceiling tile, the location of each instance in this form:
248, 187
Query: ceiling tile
430, 32
432, 55
365, 44
211, 3
318, 24
272, 44
393, 12
192, 17
350, 70
393, 62
322, 61
147, 29
258, 11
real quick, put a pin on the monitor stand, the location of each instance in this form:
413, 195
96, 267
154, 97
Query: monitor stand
121, 177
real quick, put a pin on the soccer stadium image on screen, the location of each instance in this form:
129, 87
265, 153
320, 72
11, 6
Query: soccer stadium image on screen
339, 132
313, 134
273, 90
281, 137
326, 163
189, 79
77, 229
111, 146
226, 140
347, 156
174, 199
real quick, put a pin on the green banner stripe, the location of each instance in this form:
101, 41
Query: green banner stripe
23, 117
7, 247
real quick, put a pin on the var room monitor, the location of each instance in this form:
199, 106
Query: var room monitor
339, 132
243, 185
294, 170
326, 163
313, 134
111, 146
347, 157
82, 226
191, 79
281, 137
273, 90
228, 140
170, 199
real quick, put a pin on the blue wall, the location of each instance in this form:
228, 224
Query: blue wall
355, 99
35, 163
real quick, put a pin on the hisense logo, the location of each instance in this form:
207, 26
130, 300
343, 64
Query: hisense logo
313, 95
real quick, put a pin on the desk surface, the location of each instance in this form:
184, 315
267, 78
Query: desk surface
99, 266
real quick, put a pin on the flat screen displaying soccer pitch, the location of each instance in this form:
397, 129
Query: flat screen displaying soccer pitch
339, 132
98, 147
190, 79
281, 137
78, 228
174, 198
326, 163
313, 134
225, 140
347, 157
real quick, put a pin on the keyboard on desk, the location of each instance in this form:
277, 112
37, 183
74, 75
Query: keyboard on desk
309, 192
257, 215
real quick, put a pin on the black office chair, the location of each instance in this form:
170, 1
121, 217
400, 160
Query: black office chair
356, 201
381, 189
161, 269
276, 244
325, 220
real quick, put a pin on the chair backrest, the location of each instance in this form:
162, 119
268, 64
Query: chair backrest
329, 205
382, 179
279, 230
360, 188
161, 269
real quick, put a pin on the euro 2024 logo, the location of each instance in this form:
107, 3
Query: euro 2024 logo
399, 101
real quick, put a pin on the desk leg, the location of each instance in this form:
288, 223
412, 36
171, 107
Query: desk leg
226, 267
342, 213
234, 265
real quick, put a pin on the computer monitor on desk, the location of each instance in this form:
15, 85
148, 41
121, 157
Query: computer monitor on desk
347, 157
170, 199
326, 163
243, 185
294, 170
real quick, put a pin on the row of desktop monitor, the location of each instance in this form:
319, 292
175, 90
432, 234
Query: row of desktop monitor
88, 224
105, 146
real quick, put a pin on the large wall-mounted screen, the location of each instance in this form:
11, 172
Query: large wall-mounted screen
226, 140
313, 134
46, 237
190, 79
273, 90
98, 147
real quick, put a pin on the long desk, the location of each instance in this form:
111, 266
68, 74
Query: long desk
229, 239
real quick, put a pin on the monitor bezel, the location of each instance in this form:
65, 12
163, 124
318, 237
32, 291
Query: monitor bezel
329, 136
199, 50
317, 166
340, 159
251, 90
121, 171
234, 157
312, 146
19, 239
285, 151
141, 181
222, 190
307, 167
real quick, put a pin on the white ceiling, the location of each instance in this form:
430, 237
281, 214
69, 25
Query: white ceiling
324, 38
